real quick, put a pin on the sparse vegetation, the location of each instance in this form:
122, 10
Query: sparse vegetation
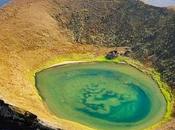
150, 31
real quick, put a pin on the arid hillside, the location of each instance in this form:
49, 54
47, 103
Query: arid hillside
33, 32
29, 37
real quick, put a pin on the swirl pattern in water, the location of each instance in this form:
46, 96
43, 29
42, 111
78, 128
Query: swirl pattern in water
104, 96
108, 105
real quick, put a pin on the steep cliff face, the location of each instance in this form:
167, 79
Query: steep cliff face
150, 31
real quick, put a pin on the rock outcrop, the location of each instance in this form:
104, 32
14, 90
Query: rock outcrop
12, 118
111, 55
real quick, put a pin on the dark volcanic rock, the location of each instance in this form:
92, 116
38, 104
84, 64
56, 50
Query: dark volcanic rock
111, 55
13, 120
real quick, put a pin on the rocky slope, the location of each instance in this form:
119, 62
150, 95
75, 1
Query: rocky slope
150, 31
12, 118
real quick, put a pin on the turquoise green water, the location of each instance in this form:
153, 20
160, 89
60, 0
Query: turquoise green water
103, 96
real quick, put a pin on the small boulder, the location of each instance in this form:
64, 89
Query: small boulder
111, 55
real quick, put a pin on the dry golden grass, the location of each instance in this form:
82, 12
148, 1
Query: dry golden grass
29, 37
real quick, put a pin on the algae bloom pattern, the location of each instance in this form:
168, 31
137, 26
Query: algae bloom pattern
104, 96
125, 103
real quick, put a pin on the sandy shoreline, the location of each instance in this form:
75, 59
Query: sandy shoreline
72, 62
67, 62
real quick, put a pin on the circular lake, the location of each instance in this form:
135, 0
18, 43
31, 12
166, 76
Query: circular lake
101, 95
